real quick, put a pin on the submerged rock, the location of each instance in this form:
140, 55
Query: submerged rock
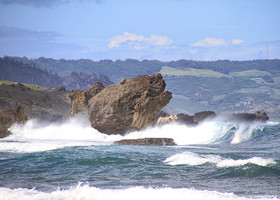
132, 104
148, 142
10, 116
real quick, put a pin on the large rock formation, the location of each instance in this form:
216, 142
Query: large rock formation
10, 116
129, 105
80, 98
148, 142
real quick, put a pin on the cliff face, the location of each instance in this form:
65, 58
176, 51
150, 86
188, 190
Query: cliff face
10, 116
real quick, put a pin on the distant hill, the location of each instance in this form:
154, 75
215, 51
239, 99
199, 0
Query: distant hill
222, 86
27, 71
15, 70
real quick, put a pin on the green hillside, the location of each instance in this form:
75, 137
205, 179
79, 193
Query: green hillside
222, 86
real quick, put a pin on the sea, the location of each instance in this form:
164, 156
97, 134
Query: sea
215, 160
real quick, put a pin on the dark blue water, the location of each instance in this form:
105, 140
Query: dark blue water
248, 167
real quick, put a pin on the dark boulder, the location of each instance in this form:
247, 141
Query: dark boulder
249, 117
148, 142
201, 116
186, 119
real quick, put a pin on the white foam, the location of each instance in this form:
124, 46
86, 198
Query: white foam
205, 133
86, 192
193, 159
33, 137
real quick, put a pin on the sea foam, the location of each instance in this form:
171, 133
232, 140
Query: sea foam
193, 159
86, 192
33, 136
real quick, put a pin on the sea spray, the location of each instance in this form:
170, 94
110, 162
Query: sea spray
33, 136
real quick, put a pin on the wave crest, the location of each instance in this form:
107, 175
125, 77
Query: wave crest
193, 159
86, 192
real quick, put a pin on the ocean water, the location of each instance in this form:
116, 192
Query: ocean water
215, 160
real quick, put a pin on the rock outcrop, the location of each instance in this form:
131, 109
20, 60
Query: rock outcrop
80, 98
204, 115
132, 104
190, 120
148, 142
199, 117
38, 102
10, 116
167, 119
249, 117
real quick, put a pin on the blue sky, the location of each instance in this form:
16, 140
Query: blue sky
141, 29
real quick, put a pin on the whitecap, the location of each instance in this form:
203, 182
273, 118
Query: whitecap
86, 192
193, 159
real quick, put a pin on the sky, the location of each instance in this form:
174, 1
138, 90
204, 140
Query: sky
141, 29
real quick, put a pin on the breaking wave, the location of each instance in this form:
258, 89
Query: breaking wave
86, 192
33, 136
193, 159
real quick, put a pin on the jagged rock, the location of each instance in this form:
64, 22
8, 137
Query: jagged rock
10, 116
148, 142
130, 105
80, 98
79, 102
94, 89
201, 116
167, 119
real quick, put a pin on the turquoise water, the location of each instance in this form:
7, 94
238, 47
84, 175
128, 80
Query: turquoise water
216, 160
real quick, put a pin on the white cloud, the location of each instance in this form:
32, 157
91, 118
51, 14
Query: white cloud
139, 41
209, 42
237, 41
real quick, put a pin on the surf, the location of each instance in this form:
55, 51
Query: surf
33, 136
86, 192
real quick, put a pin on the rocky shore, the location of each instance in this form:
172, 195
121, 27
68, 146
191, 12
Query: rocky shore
132, 104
